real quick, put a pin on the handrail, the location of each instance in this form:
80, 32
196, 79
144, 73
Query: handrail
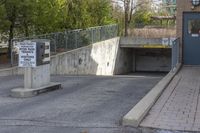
175, 52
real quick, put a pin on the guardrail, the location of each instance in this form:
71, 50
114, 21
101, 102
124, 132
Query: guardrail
69, 40
175, 52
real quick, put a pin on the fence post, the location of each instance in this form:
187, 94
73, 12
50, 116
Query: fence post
178, 50
100, 33
76, 39
56, 39
11, 56
173, 54
92, 35
117, 30
66, 40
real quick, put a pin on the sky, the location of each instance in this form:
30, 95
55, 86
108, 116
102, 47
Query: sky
156, 3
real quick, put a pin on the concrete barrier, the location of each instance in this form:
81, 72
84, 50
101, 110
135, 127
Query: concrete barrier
139, 111
105, 58
102, 58
96, 59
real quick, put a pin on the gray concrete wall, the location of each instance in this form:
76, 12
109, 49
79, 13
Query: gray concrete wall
105, 58
139, 41
134, 60
124, 61
157, 60
96, 59
131, 42
102, 58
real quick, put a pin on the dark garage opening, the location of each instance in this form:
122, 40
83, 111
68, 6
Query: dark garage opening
147, 60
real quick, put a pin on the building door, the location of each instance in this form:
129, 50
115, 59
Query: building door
191, 39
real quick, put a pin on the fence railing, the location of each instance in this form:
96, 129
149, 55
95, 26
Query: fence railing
69, 40
175, 52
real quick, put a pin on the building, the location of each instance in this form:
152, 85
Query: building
188, 30
169, 7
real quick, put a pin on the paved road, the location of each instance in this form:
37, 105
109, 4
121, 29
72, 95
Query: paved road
85, 104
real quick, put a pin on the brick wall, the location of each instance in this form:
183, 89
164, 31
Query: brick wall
183, 5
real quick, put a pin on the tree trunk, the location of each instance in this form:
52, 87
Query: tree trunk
10, 39
126, 18
26, 29
126, 24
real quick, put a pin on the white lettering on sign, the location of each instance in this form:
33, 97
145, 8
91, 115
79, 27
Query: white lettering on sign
27, 54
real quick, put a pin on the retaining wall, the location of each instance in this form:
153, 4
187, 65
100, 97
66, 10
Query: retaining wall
102, 58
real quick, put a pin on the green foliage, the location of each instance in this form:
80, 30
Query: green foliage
99, 12
31, 17
4, 23
142, 18
47, 16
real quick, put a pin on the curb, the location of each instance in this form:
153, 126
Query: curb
26, 92
139, 111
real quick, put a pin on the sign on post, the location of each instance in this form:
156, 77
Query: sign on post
27, 54
165, 41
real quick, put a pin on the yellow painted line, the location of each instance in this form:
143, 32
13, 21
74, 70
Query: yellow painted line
155, 46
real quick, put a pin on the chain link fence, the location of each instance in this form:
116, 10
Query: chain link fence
69, 40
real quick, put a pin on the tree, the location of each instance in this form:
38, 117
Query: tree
33, 17
142, 18
87, 13
10, 8
22, 17
48, 16
100, 12
130, 6
25, 19
77, 15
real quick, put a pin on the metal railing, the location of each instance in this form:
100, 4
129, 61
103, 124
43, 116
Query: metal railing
175, 52
69, 40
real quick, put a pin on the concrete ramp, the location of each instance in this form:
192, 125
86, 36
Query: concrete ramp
178, 108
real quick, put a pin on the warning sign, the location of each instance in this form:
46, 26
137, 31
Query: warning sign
27, 54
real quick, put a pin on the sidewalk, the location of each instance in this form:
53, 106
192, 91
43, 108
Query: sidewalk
178, 107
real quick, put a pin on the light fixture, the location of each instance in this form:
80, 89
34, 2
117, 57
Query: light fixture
195, 2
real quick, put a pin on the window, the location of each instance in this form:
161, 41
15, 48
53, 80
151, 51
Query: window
194, 27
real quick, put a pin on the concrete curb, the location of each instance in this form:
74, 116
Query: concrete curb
139, 111
26, 93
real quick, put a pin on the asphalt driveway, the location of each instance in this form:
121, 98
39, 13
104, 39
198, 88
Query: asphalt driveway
87, 104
